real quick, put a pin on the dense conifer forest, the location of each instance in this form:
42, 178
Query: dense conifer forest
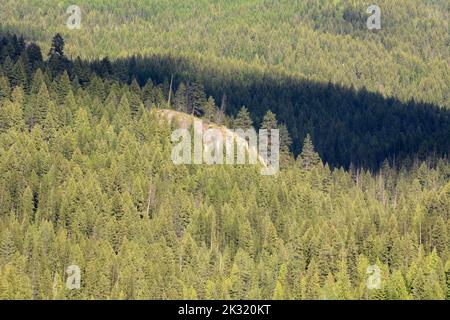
85, 156
313, 63
322, 40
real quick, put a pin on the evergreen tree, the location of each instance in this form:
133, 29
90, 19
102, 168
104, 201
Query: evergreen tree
64, 86
37, 111
285, 139
209, 109
278, 293
7, 247
181, 98
11, 117
309, 157
19, 75
38, 80
196, 99
34, 55
5, 90
269, 121
8, 66
396, 287
243, 120
57, 46
93, 185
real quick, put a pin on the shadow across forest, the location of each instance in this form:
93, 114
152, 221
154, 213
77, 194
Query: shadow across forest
348, 127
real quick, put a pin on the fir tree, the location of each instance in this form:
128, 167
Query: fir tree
309, 157
269, 121
5, 90
181, 98
37, 111
243, 120
196, 99
57, 46
209, 109
19, 75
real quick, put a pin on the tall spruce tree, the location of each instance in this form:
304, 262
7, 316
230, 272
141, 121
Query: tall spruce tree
210, 109
57, 46
180, 100
309, 157
243, 119
196, 98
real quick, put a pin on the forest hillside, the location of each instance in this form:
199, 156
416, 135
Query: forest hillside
87, 180
320, 40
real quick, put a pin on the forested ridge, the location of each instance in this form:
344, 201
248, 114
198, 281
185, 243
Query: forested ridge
363, 96
87, 179
321, 40
348, 126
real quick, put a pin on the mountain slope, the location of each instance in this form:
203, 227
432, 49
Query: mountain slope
92, 184
320, 40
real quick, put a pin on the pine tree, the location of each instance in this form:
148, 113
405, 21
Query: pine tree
181, 98
57, 62
396, 287
447, 279
439, 236
8, 66
19, 75
135, 97
7, 247
241, 275
106, 68
309, 157
329, 289
136, 88
64, 86
57, 47
5, 90
147, 94
245, 239
158, 96
50, 124
18, 96
313, 282
243, 120
269, 121
124, 110
11, 117
285, 139
197, 99
38, 108
34, 55
209, 109
278, 293
343, 284
15, 284
38, 80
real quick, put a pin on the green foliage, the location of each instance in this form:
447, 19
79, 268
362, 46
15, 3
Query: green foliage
319, 40
349, 127
308, 157
243, 120
210, 109
87, 179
